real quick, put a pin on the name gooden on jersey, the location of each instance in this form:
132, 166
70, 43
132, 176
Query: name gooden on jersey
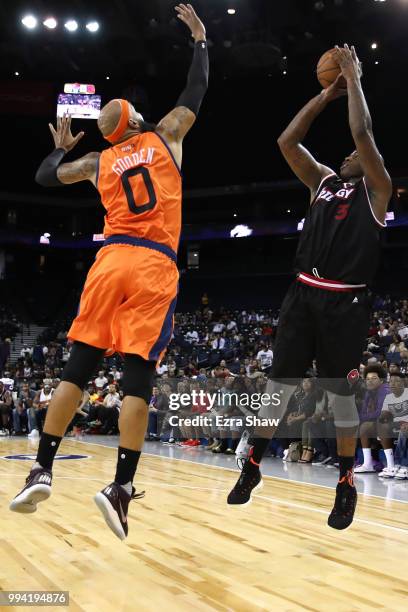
144, 156
344, 193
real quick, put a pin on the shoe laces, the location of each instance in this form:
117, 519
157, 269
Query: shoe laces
246, 479
135, 495
344, 503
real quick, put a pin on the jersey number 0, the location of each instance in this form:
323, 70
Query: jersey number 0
138, 209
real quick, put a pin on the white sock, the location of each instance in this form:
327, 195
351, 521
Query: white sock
389, 455
127, 487
368, 460
37, 466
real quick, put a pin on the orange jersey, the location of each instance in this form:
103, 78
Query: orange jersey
141, 189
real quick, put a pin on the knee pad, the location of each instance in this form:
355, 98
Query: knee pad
138, 377
344, 410
83, 361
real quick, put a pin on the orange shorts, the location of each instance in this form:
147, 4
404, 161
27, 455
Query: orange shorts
128, 302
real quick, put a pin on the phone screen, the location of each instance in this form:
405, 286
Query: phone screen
79, 106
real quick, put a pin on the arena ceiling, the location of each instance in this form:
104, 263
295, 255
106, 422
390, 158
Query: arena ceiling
142, 38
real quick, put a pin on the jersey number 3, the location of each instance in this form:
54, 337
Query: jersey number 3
342, 211
138, 209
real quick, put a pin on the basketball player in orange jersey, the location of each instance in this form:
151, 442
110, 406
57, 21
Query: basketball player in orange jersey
130, 293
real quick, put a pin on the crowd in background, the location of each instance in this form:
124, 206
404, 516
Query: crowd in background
229, 353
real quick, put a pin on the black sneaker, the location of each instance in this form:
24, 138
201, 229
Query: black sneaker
345, 503
113, 502
37, 489
249, 481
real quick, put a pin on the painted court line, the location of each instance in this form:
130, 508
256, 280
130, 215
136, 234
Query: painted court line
235, 470
272, 500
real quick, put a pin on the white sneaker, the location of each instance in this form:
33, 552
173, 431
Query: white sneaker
402, 473
285, 454
388, 472
34, 433
3, 432
361, 469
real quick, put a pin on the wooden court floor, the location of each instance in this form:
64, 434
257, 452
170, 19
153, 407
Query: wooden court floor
187, 550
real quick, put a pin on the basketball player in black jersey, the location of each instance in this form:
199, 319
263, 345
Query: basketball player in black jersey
325, 314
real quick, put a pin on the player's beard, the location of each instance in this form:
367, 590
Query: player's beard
145, 126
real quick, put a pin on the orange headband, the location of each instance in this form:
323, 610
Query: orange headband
123, 122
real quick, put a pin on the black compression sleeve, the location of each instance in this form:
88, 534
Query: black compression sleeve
197, 80
47, 173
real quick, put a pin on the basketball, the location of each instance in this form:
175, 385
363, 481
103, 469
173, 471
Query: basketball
327, 69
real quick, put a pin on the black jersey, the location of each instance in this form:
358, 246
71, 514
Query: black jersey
341, 236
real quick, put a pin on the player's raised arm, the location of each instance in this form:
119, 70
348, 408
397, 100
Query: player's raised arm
51, 173
303, 164
175, 125
376, 176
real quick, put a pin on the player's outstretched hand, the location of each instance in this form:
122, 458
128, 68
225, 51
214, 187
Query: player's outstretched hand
350, 65
187, 14
62, 136
336, 89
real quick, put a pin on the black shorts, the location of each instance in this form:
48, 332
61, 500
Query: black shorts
329, 326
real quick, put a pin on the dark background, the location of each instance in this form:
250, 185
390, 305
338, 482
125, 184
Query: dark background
232, 165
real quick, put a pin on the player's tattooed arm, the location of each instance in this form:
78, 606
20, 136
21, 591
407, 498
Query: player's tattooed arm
175, 125
52, 173
377, 178
301, 161
82, 169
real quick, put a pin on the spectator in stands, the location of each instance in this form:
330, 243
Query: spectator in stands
40, 405
109, 412
152, 428
218, 327
403, 331
20, 416
397, 344
221, 371
6, 407
375, 378
7, 381
162, 369
116, 374
190, 369
26, 351
38, 354
394, 368
394, 414
383, 330
265, 356
191, 336
231, 325
218, 344
403, 364
302, 405
24, 418
101, 381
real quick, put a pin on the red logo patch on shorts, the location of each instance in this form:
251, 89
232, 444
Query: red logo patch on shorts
353, 376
